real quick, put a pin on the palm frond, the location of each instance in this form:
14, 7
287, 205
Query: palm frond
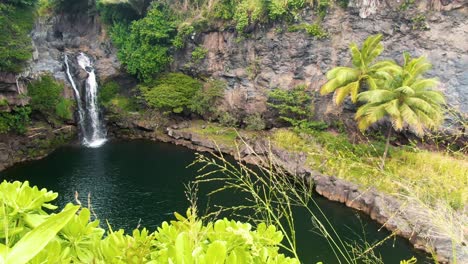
406, 90
341, 93
376, 96
423, 84
338, 70
330, 87
411, 118
434, 97
372, 48
356, 55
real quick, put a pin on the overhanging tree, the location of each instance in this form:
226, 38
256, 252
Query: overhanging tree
344, 81
407, 100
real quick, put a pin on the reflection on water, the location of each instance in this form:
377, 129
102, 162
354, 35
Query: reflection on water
141, 181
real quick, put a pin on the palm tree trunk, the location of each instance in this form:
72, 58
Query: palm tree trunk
384, 157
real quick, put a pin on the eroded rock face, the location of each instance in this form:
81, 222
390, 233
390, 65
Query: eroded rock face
273, 57
71, 33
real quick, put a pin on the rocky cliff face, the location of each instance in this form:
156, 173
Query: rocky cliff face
52, 37
272, 57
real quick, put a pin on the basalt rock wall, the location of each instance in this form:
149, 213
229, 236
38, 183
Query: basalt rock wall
269, 56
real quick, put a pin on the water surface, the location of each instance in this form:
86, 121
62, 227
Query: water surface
143, 182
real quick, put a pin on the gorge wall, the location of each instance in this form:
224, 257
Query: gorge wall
269, 56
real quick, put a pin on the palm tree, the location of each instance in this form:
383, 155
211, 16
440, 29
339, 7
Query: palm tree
407, 100
346, 81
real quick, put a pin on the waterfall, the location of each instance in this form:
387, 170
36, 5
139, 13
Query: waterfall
90, 124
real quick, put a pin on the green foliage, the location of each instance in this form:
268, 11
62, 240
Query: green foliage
314, 30
15, 44
144, 45
64, 109
344, 81
205, 100
21, 2
254, 122
108, 91
15, 121
249, 12
46, 97
419, 22
198, 54
408, 100
278, 9
30, 234
172, 92
295, 107
406, 4
112, 13
228, 120
183, 33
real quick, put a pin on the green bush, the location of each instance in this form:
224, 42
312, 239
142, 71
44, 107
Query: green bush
15, 43
205, 100
15, 121
144, 45
254, 122
228, 120
294, 106
198, 54
107, 92
314, 30
64, 109
46, 98
172, 92
116, 13
36, 236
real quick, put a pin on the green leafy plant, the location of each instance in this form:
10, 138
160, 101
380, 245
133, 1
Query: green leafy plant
16, 21
28, 234
46, 97
16, 121
172, 92
144, 45
344, 81
254, 122
408, 100
198, 54
295, 107
314, 30
206, 99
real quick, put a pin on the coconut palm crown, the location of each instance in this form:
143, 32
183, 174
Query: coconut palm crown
408, 100
346, 81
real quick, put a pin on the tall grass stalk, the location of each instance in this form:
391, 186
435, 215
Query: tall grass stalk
272, 195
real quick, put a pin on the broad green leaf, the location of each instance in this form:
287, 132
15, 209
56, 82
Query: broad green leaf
34, 241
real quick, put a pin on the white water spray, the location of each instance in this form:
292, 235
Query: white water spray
90, 124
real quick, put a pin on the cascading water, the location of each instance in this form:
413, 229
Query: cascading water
90, 124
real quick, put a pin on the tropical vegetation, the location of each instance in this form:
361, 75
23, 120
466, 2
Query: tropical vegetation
31, 234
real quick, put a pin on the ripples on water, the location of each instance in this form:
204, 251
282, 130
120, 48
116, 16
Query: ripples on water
143, 182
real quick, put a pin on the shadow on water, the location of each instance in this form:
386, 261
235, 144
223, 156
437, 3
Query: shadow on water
143, 182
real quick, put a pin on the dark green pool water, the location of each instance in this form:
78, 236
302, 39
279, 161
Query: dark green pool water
142, 181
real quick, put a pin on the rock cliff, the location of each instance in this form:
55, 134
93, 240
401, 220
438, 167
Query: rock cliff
270, 56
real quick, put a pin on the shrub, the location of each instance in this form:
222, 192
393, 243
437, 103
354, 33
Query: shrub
294, 106
15, 121
46, 97
64, 109
15, 43
205, 100
172, 92
228, 120
108, 91
71, 237
183, 33
198, 54
254, 122
144, 45
314, 30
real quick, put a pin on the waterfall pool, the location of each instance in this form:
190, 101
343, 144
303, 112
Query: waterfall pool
142, 182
